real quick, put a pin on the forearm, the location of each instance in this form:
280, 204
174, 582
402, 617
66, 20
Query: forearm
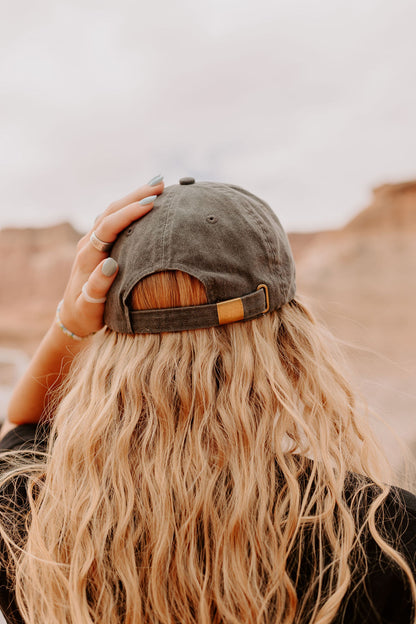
47, 370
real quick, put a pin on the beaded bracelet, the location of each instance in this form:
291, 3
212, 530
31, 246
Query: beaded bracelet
66, 331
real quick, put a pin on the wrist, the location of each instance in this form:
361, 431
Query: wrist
67, 327
62, 345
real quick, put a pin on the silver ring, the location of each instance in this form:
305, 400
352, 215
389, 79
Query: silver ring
99, 244
89, 298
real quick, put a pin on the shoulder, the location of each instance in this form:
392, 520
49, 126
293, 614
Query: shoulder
398, 517
386, 587
394, 514
14, 505
402, 500
380, 590
24, 437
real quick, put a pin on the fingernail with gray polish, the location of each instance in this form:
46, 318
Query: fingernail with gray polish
147, 200
155, 181
109, 267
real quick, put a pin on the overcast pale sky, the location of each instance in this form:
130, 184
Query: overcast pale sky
308, 104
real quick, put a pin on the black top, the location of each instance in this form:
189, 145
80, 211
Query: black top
384, 597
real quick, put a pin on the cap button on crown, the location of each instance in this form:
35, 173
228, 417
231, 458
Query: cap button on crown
187, 181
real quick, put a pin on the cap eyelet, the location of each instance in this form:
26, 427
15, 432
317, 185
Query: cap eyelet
129, 230
211, 219
266, 293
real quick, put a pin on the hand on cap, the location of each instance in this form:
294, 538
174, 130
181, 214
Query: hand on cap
93, 272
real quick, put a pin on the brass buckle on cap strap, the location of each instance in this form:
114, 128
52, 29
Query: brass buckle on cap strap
266, 292
233, 310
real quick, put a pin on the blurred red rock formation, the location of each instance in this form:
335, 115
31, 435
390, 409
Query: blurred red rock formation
36, 264
393, 208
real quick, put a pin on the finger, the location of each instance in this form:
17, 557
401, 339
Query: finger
136, 210
84, 241
86, 317
97, 286
153, 187
111, 226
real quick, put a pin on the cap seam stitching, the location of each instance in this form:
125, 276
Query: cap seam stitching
165, 227
267, 241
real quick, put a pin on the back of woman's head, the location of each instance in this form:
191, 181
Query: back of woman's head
193, 474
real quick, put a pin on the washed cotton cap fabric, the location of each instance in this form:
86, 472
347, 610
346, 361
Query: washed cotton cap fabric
221, 234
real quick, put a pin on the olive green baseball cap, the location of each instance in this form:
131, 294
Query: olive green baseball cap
221, 234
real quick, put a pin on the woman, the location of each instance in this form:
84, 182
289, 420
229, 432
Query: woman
207, 461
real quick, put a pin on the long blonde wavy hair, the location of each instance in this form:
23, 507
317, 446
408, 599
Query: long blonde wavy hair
189, 476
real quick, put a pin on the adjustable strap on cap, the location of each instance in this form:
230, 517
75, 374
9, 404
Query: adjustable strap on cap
201, 316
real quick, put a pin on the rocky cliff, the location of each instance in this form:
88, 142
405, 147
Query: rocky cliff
35, 266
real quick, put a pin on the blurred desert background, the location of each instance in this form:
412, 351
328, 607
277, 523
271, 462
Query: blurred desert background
359, 279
